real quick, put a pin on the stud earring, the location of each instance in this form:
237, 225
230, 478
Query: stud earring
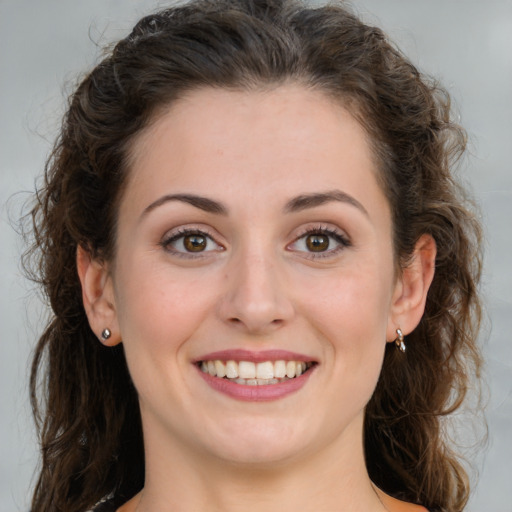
105, 334
399, 341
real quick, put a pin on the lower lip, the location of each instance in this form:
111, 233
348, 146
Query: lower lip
257, 393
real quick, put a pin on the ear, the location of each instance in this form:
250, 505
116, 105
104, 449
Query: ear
410, 294
98, 296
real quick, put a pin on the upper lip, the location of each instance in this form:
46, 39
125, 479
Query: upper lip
254, 356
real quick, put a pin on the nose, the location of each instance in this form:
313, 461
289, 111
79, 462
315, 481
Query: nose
257, 298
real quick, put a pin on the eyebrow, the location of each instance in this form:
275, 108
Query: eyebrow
306, 201
203, 203
297, 204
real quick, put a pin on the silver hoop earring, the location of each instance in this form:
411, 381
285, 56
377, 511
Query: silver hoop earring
399, 341
105, 334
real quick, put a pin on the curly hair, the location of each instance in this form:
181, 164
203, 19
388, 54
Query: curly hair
84, 402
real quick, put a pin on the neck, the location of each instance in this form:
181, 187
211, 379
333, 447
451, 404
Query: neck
334, 478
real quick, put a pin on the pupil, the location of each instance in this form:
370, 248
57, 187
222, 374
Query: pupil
317, 243
194, 243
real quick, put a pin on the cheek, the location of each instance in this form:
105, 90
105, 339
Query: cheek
158, 313
159, 310
357, 302
349, 314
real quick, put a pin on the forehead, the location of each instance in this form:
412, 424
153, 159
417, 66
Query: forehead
215, 141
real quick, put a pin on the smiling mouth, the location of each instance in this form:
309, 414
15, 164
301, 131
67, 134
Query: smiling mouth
249, 373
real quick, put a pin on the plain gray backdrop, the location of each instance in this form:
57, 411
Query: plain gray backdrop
467, 44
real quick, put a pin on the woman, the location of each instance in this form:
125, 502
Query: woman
262, 273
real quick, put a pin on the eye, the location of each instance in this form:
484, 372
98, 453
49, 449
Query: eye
190, 242
317, 242
320, 241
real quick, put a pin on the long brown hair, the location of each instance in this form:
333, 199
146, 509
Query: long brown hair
84, 403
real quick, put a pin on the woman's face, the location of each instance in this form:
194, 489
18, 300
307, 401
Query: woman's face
253, 231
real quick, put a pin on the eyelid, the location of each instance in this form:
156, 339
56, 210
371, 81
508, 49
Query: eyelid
181, 232
341, 238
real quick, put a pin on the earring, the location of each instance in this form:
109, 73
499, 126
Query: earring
399, 341
105, 334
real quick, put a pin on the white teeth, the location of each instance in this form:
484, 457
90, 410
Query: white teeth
265, 370
247, 370
252, 374
231, 370
290, 369
220, 368
279, 369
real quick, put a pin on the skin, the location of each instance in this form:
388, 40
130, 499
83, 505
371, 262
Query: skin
257, 286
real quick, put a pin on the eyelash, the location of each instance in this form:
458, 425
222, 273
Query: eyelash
342, 241
339, 238
166, 243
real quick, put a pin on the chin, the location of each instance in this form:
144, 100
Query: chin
259, 443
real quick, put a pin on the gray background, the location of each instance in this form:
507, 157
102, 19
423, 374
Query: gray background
43, 44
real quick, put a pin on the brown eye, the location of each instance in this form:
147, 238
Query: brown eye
317, 242
190, 243
321, 242
194, 243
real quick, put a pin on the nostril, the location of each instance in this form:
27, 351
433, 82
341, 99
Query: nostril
277, 321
